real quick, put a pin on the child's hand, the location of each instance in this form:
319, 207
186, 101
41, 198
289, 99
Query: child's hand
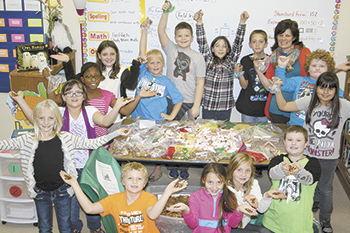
294, 168
238, 68
145, 25
283, 61
123, 101
285, 168
276, 194
125, 131
252, 200
179, 207
69, 179
46, 73
144, 93
176, 186
247, 209
195, 111
244, 17
60, 57
16, 96
198, 17
166, 117
343, 67
166, 6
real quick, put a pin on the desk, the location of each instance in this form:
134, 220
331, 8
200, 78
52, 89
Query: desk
28, 80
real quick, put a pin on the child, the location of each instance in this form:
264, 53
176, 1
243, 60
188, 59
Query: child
151, 78
296, 175
214, 208
316, 63
252, 97
185, 67
326, 114
241, 182
220, 60
41, 169
134, 210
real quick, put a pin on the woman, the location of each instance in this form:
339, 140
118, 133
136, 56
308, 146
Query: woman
286, 44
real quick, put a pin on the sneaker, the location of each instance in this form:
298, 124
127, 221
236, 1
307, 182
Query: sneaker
326, 227
316, 225
184, 174
99, 230
173, 174
315, 206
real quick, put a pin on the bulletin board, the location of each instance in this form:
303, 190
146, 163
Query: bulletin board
119, 20
20, 23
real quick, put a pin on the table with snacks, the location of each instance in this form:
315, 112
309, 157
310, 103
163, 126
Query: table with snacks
198, 142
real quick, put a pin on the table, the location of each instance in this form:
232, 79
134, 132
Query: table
130, 158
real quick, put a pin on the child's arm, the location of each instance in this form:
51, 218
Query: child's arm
19, 98
198, 97
153, 212
203, 46
145, 25
343, 67
309, 174
163, 36
238, 42
179, 207
275, 168
67, 65
242, 81
173, 113
284, 105
85, 203
144, 93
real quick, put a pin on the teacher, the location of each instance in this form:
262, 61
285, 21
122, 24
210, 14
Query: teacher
286, 44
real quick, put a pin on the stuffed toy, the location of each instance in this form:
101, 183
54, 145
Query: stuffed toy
26, 60
61, 36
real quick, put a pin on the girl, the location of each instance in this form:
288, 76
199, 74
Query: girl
79, 120
221, 211
241, 182
326, 114
41, 169
220, 61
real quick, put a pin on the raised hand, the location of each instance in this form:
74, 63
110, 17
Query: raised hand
60, 57
283, 61
198, 17
243, 17
16, 96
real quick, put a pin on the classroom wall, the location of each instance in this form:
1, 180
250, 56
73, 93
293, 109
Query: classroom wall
70, 18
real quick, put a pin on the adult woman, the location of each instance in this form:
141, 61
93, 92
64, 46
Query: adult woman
286, 44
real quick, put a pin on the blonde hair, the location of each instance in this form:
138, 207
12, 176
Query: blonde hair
134, 166
236, 161
52, 106
155, 52
320, 54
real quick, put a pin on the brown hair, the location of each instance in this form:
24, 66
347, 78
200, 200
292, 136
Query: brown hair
258, 31
296, 129
69, 85
116, 66
320, 54
183, 25
282, 26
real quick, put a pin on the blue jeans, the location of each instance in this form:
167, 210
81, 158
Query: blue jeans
93, 220
43, 202
216, 115
253, 119
324, 189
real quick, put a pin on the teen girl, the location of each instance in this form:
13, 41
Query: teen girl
241, 182
221, 211
220, 62
326, 114
41, 169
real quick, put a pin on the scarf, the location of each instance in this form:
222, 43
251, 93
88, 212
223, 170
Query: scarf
293, 55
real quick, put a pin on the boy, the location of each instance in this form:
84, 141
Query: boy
252, 98
185, 67
296, 175
134, 210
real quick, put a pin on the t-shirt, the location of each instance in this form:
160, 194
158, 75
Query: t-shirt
102, 104
151, 108
183, 68
251, 101
324, 143
77, 127
130, 218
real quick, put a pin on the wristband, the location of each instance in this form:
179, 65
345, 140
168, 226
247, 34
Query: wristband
238, 74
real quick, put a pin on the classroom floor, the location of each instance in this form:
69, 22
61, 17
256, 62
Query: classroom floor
340, 218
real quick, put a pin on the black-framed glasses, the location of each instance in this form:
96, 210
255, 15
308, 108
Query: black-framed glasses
91, 77
71, 94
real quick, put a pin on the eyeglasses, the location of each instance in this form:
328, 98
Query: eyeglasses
71, 94
95, 76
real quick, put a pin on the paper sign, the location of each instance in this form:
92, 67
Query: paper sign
4, 53
14, 53
4, 68
15, 23
31, 5
36, 37
13, 5
1, 5
2, 22
17, 38
34, 23
3, 38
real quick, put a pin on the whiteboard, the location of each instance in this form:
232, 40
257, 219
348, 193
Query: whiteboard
119, 20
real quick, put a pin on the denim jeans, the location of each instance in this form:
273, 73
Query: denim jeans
216, 115
324, 189
93, 220
253, 119
43, 202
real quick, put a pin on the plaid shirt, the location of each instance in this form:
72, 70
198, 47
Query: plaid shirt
218, 87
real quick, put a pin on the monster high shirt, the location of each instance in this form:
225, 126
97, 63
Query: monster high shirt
183, 68
324, 142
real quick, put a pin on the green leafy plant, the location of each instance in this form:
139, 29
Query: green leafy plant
52, 9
